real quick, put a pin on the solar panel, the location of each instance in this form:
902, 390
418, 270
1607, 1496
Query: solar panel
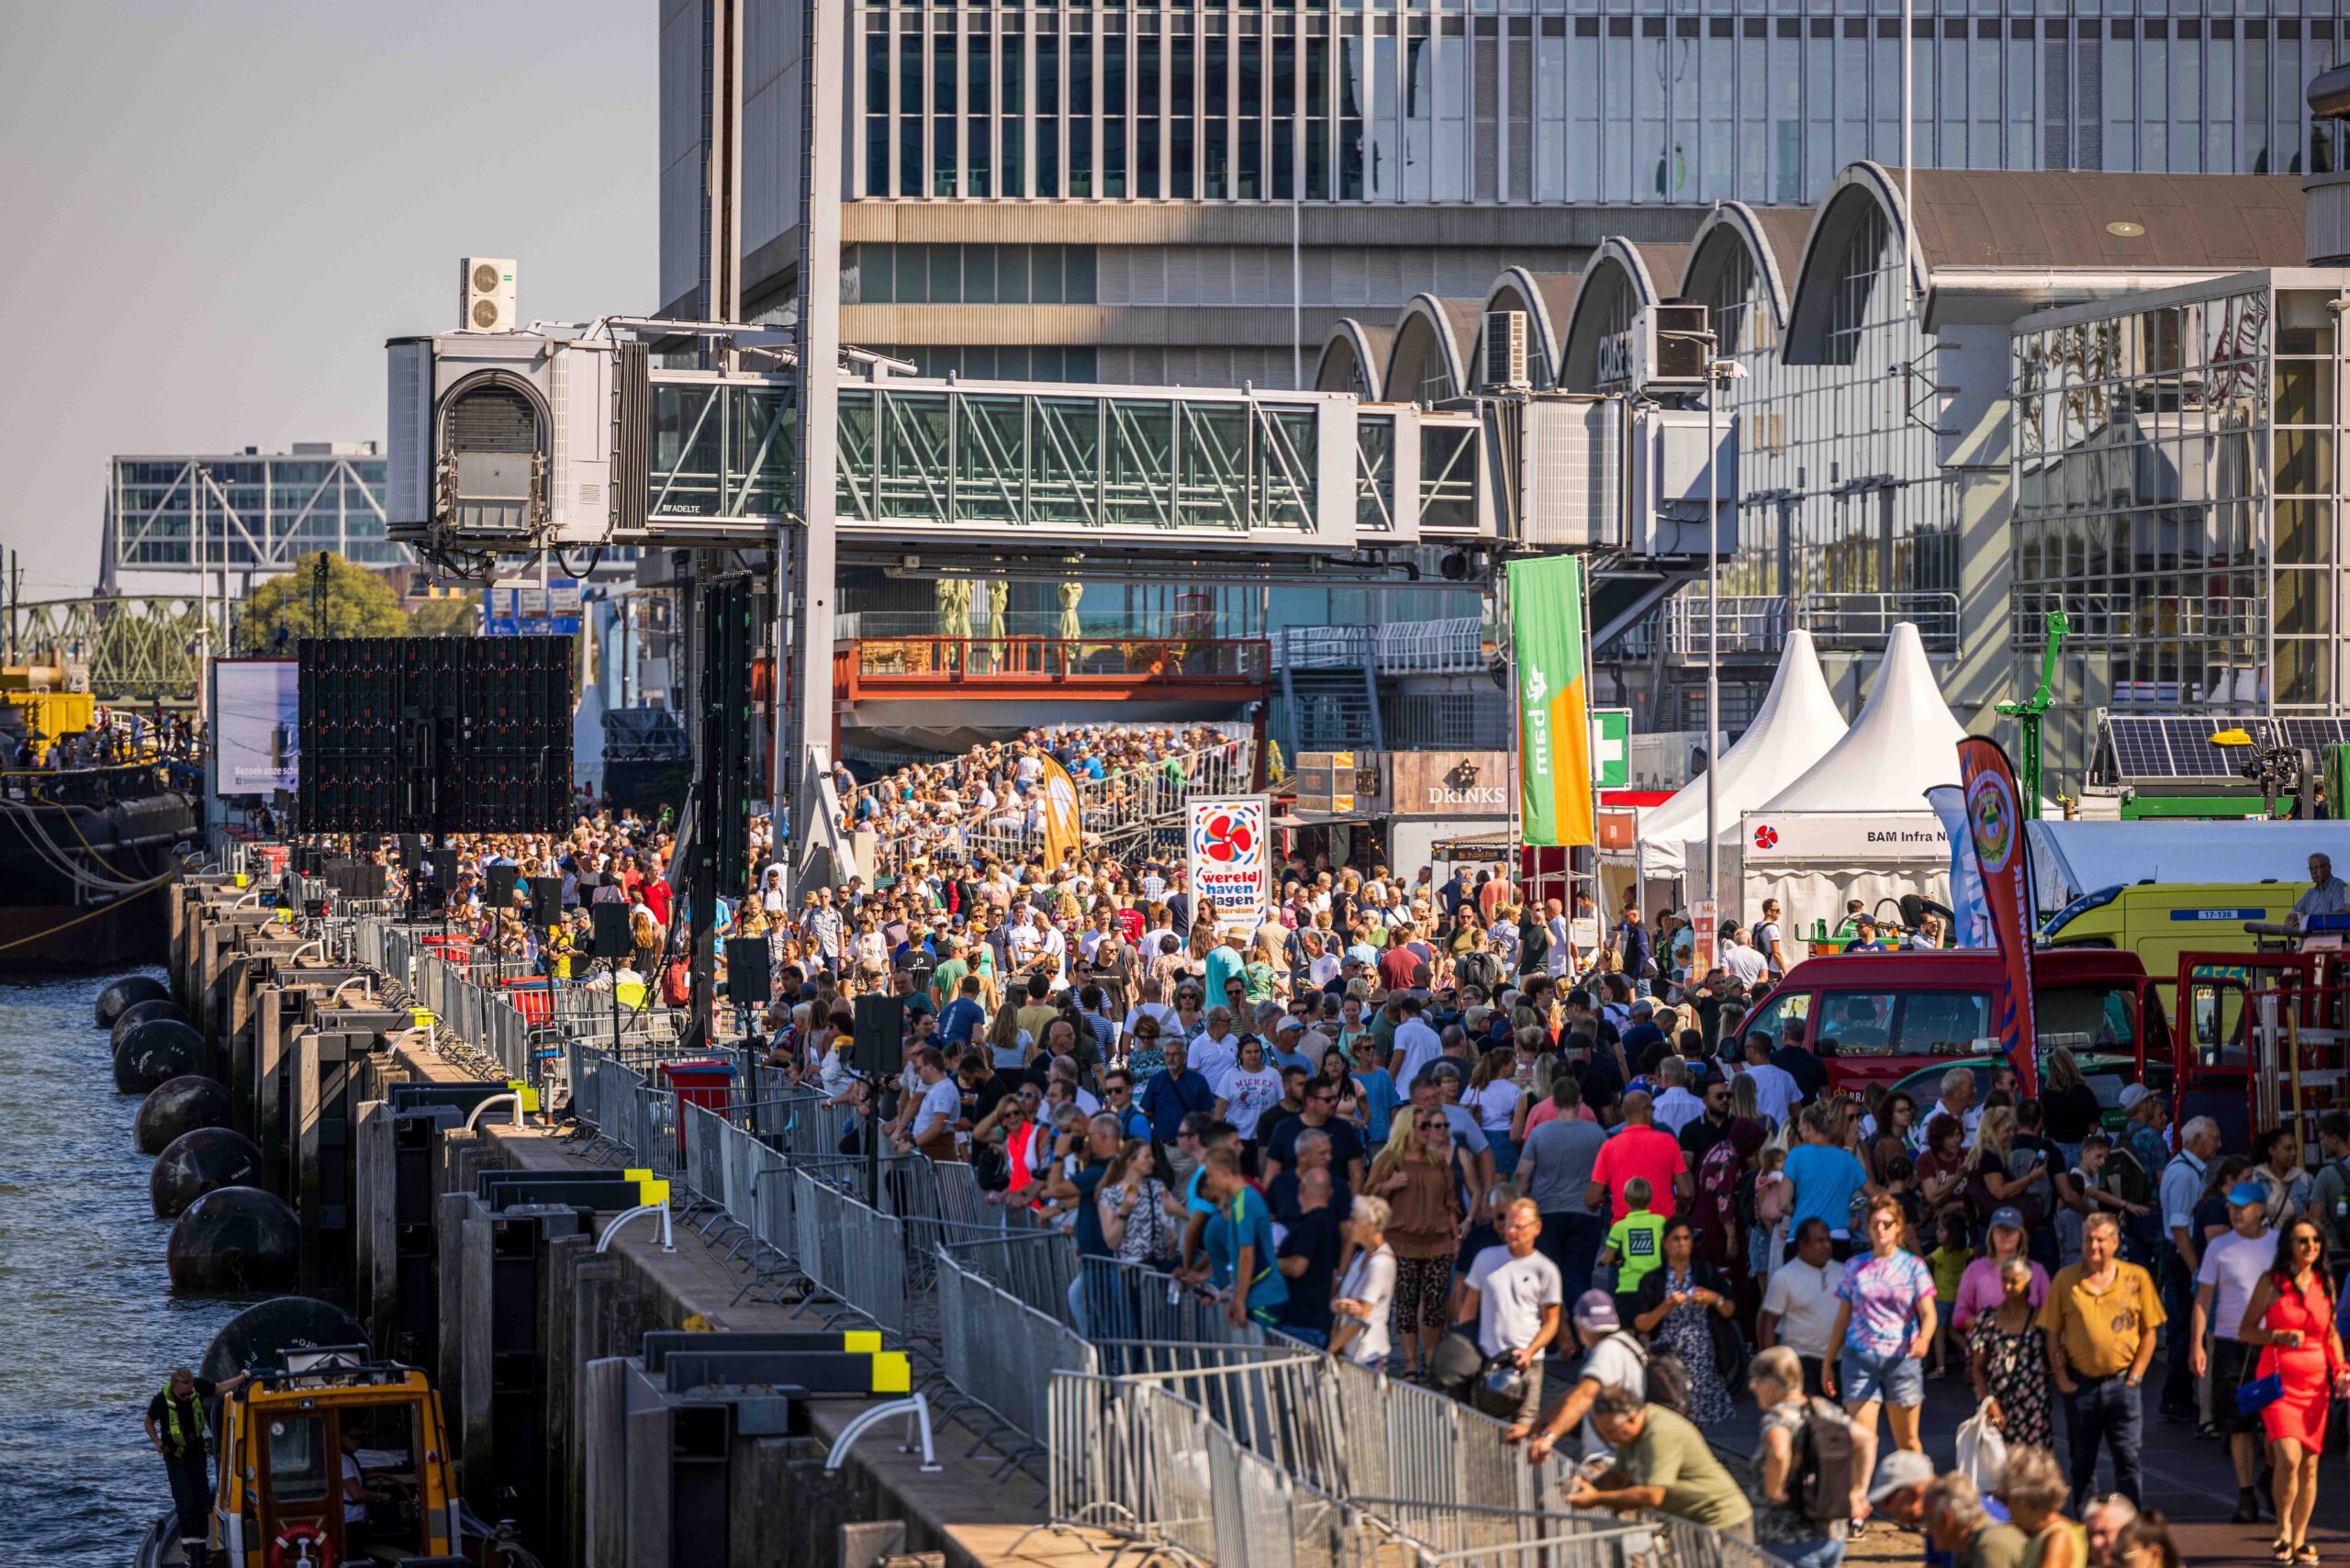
2178, 746
2312, 733
2193, 755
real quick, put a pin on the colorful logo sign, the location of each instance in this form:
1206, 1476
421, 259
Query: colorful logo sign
1991, 812
1229, 861
1765, 836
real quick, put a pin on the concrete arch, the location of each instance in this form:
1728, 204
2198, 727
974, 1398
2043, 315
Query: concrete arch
1546, 299
1734, 230
1863, 191
1430, 358
1618, 283
1354, 359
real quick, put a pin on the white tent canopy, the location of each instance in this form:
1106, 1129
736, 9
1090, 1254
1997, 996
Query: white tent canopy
1797, 724
1902, 743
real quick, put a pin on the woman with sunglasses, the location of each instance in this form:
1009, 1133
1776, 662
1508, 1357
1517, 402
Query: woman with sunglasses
1415, 1176
2292, 1314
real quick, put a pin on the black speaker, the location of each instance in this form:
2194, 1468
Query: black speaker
879, 1046
444, 870
546, 901
411, 852
501, 887
609, 927
747, 969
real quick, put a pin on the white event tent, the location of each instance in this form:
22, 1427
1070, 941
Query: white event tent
1856, 824
1795, 727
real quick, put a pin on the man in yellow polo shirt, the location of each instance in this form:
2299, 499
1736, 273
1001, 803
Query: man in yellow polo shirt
2099, 1317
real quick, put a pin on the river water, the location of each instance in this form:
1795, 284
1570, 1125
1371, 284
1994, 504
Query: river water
88, 1325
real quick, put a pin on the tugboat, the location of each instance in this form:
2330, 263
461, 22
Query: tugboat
336, 1459
85, 851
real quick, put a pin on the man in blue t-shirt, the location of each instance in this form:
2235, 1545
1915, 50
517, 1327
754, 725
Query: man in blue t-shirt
1239, 1243
1173, 1092
964, 1016
1823, 1177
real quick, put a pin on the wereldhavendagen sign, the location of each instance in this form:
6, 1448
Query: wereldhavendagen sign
1228, 859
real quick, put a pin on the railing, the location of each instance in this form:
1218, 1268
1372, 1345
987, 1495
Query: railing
1759, 623
880, 666
1454, 645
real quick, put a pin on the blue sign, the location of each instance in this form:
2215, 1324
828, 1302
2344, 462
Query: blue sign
520, 606
2219, 915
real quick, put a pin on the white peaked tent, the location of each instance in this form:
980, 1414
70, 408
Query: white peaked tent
1903, 742
1797, 724
1856, 822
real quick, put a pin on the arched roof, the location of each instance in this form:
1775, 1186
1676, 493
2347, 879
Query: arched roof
1858, 190
1771, 238
1547, 297
1445, 328
1354, 359
1647, 274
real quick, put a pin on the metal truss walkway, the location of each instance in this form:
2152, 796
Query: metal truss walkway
136, 649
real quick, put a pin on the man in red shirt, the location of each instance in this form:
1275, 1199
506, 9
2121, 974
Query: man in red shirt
1637, 1148
1399, 963
656, 899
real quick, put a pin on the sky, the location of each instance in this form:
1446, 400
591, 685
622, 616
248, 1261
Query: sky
214, 212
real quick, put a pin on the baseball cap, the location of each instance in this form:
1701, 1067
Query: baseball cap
1902, 1467
2245, 1194
1595, 1310
2011, 1217
2132, 1096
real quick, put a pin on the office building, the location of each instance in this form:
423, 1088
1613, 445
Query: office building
246, 514
1195, 194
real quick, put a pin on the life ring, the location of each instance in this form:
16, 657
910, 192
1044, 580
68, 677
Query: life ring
302, 1546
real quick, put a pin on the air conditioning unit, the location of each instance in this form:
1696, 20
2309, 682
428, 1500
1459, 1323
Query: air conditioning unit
1504, 350
486, 294
1683, 343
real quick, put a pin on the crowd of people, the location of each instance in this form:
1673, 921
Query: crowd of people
1437, 1128
952, 809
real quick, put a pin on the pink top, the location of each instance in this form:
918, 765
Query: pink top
1547, 1110
1980, 1290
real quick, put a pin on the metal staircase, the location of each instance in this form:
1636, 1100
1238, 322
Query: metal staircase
1330, 688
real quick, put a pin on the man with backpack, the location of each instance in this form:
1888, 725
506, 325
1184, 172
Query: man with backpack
1809, 1459
1612, 1359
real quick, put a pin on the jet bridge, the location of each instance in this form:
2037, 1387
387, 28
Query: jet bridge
517, 441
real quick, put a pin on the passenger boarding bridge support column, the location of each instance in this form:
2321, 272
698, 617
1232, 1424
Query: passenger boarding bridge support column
807, 554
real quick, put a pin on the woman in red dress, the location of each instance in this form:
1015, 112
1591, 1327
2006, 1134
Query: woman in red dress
2291, 1315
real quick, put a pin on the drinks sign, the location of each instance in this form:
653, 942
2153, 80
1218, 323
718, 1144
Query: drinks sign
1229, 861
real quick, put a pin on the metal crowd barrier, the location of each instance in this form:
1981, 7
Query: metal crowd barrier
851, 1253
994, 1351
1033, 1267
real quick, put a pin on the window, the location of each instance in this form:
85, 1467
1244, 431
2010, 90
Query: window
298, 1459
1902, 1023
975, 274
1789, 1011
2087, 1017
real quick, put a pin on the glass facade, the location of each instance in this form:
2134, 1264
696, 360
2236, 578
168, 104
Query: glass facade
1532, 101
259, 511
2178, 497
1844, 513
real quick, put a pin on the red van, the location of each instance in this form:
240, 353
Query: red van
1881, 1017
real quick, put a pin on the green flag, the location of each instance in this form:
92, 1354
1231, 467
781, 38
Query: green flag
1553, 722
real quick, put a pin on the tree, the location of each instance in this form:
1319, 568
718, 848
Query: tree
454, 615
355, 603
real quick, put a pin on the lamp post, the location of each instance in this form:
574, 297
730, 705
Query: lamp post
199, 477
1717, 370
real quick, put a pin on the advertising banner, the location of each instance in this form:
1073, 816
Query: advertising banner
1228, 859
1553, 719
1850, 838
1060, 813
1995, 821
256, 726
